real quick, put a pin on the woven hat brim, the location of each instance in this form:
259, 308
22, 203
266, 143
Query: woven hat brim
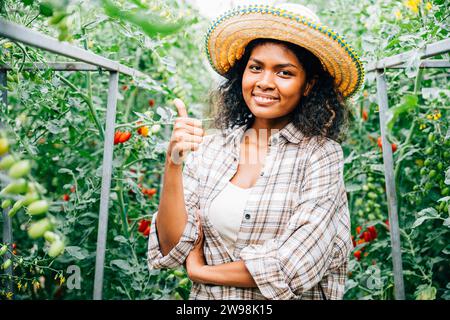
229, 35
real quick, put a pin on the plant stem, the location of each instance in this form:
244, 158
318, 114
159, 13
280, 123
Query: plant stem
123, 212
89, 103
412, 128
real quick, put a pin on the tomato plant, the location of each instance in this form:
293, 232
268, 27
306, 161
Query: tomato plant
53, 138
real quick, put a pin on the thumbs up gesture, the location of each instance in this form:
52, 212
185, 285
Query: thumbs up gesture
186, 136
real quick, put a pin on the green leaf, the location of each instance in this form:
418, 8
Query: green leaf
122, 264
409, 102
77, 252
121, 239
150, 23
447, 222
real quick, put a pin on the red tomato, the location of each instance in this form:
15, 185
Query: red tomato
380, 142
66, 197
366, 236
124, 136
357, 255
353, 241
394, 147
373, 232
117, 136
143, 131
146, 232
143, 225
365, 115
358, 230
151, 102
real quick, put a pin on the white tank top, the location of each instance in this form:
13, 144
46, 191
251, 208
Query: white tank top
226, 213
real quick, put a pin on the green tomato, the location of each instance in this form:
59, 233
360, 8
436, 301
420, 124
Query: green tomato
6, 264
431, 137
359, 202
365, 187
427, 162
3, 250
446, 155
4, 146
51, 236
38, 228
432, 173
423, 171
15, 187
183, 282
7, 162
371, 216
429, 151
20, 169
179, 273
440, 166
6, 203
56, 248
38, 207
30, 197
372, 195
16, 207
445, 191
447, 142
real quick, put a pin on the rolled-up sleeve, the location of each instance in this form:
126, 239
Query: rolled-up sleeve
178, 254
285, 267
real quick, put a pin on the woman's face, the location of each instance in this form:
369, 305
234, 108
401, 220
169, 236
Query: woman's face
273, 81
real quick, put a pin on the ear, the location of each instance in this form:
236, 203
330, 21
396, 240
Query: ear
309, 86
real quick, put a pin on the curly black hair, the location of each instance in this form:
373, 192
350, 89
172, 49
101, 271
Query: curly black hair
323, 113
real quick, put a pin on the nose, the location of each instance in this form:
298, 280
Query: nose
265, 81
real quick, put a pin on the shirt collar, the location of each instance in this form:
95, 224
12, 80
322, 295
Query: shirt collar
292, 133
289, 133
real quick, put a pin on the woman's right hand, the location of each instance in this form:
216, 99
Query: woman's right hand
186, 136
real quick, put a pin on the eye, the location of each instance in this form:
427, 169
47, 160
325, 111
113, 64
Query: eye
287, 73
252, 67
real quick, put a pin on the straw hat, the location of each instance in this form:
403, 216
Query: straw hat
230, 33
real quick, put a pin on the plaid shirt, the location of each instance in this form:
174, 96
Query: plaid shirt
295, 232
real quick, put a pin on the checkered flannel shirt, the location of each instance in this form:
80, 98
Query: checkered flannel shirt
295, 233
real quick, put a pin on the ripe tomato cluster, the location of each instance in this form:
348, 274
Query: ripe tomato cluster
144, 227
380, 144
365, 236
150, 192
143, 131
121, 137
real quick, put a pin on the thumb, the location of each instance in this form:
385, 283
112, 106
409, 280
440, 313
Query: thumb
181, 108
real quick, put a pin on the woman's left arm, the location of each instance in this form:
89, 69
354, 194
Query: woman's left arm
233, 274
227, 274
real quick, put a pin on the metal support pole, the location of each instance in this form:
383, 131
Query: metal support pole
390, 188
106, 183
7, 228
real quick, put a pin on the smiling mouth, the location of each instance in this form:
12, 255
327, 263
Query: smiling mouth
264, 100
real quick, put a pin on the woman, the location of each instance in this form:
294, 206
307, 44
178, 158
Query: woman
259, 210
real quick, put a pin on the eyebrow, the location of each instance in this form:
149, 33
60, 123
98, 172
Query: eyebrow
280, 65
